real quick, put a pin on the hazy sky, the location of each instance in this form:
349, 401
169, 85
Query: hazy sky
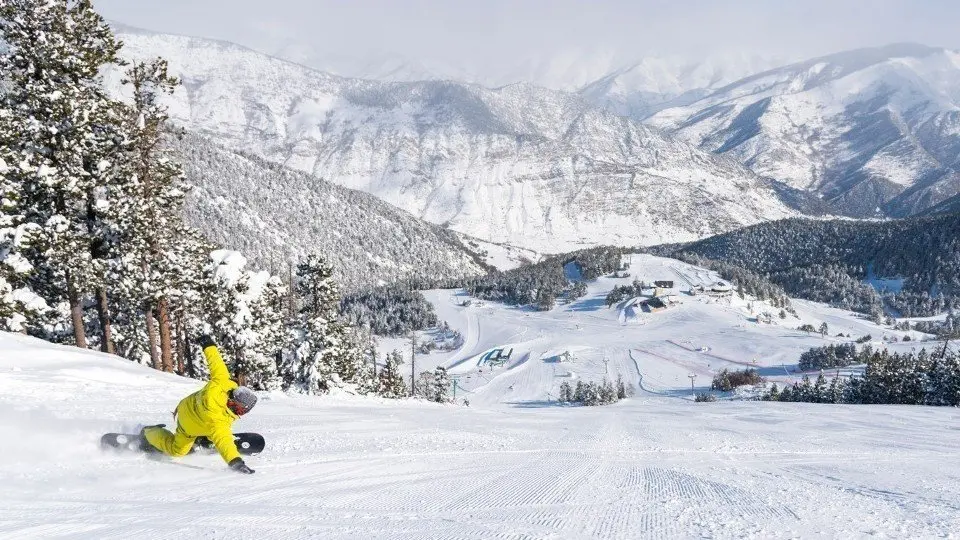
485, 31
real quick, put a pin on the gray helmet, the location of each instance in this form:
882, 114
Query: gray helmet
241, 400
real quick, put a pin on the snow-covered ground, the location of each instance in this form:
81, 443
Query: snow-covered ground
697, 335
500, 256
513, 464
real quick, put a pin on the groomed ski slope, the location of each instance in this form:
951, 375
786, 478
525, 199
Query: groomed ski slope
512, 465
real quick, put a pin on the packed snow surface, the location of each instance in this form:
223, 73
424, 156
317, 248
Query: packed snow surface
513, 464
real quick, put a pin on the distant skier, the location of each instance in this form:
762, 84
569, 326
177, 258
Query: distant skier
209, 413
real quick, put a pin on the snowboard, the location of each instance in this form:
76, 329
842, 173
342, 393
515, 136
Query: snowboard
248, 444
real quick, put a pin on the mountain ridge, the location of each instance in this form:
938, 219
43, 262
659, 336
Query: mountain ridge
519, 164
246, 203
832, 260
875, 131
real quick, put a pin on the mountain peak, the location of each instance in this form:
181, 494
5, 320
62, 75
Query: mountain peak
520, 164
867, 129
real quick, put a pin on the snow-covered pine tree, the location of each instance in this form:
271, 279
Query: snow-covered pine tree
835, 390
149, 220
424, 387
440, 388
371, 354
188, 254
805, 390
608, 392
322, 344
546, 300
245, 312
21, 310
354, 364
948, 379
819, 392
914, 380
579, 392
191, 256
267, 335
579, 290
390, 383
57, 129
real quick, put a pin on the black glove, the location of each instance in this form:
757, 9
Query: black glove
206, 341
238, 465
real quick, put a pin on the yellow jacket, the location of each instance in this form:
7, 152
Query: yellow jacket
205, 413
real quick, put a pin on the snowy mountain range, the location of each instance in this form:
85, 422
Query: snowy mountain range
643, 88
651, 152
873, 131
525, 165
600, 74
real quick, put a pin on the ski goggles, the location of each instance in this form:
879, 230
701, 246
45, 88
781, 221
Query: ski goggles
237, 407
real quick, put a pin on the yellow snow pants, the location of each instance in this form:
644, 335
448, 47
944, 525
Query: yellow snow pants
176, 445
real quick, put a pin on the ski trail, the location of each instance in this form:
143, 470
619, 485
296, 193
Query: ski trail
470, 343
709, 354
640, 382
682, 276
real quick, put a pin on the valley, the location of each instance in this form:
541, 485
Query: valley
653, 351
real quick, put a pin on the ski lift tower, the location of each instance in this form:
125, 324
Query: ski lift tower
693, 377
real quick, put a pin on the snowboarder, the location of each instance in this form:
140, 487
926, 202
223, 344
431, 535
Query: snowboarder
209, 413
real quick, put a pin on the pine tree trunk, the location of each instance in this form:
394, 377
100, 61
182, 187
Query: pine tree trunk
106, 326
166, 347
180, 344
152, 337
188, 352
76, 313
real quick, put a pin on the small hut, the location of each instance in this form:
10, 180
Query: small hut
722, 287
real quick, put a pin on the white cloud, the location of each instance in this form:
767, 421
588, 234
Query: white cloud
489, 32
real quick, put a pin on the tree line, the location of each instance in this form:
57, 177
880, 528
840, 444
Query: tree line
727, 380
258, 207
828, 260
834, 356
923, 378
592, 393
541, 284
392, 310
94, 250
948, 328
